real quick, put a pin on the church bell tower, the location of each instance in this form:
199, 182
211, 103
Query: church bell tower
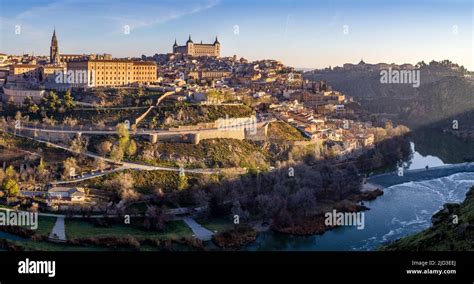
53, 50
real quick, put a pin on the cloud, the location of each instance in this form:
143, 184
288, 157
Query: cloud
158, 14
110, 14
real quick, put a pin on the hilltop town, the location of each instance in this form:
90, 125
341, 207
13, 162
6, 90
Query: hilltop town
188, 145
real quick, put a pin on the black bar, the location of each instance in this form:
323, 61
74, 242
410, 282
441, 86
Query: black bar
287, 266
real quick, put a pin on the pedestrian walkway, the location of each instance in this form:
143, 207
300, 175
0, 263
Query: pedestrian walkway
58, 234
199, 231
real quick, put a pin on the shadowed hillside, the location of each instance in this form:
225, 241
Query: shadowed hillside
442, 94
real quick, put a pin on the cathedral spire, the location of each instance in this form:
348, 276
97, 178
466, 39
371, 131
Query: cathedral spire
54, 50
54, 39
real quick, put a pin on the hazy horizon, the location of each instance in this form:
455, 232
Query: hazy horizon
303, 34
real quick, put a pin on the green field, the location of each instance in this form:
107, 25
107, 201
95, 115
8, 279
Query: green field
76, 228
45, 225
217, 224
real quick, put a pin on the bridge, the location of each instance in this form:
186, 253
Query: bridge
392, 178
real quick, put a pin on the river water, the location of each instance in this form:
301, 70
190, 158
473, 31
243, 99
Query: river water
404, 209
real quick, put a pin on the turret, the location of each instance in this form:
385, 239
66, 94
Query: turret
175, 46
189, 40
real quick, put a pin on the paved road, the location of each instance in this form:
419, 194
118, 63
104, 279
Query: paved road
59, 231
199, 231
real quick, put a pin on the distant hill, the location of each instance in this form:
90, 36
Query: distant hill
444, 94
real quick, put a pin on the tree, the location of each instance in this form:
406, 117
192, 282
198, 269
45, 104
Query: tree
123, 185
70, 121
27, 102
41, 167
100, 164
200, 197
11, 187
2, 175
10, 172
124, 144
68, 101
283, 219
68, 165
3, 122
18, 115
266, 205
155, 219
183, 182
132, 148
29, 105
140, 91
34, 108
116, 154
303, 201
237, 210
78, 144
51, 102
104, 147
124, 136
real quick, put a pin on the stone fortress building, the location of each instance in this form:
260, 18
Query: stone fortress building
198, 49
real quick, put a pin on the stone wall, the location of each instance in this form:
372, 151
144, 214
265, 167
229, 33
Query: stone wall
18, 96
214, 134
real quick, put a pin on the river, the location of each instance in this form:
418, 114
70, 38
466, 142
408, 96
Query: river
404, 209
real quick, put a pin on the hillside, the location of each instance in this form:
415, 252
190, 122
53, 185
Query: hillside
441, 97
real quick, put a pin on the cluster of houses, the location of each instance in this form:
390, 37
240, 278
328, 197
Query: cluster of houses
344, 136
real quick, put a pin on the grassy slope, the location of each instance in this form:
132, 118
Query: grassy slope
193, 114
220, 153
280, 130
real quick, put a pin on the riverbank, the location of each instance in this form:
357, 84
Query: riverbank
316, 225
402, 210
452, 230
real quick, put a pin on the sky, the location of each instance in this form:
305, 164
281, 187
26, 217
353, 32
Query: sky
300, 33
